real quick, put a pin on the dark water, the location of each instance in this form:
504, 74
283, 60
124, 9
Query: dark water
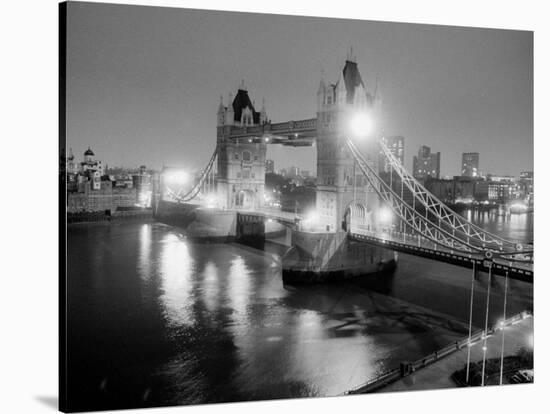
154, 319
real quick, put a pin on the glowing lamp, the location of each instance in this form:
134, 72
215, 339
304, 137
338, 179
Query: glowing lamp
360, 124
211, 201
385, 215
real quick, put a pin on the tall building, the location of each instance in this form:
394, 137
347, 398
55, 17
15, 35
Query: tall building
470, 164
269, 166
396, 145
241, 165
426, 163
335, 167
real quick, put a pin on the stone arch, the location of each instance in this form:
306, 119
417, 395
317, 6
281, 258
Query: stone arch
357, 217
244, 199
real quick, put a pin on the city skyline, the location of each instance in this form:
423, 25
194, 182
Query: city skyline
156, 92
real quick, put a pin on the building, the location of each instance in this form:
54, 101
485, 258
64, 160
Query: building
293, 172
470, 164
241, 165
396, 145
91, 169
426, 164
269, 166
335, 167
143, 183
525, 184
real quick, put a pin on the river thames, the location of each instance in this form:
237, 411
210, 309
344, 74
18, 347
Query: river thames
155, 319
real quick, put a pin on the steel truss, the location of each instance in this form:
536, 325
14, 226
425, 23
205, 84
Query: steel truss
429, 223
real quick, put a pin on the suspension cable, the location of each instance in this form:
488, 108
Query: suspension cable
416, 220
431, 202
201, 184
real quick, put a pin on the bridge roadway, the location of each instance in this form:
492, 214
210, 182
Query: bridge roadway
417, 246
282, 217
420, 246
410, 244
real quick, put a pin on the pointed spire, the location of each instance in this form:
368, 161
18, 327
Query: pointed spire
263, 113
351, 56
221, 108
322, 85
229, 114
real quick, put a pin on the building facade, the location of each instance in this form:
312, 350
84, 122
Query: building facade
396, 145
470, 164
426, 164
241, 163
336, 102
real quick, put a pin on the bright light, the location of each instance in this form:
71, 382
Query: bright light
211, 201
518, 206
385, 215
484, 348
311, 218
176, 177
360, 124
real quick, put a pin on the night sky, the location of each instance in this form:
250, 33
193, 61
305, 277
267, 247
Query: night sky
144, 83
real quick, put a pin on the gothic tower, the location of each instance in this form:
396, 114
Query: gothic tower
339, 183
241, 162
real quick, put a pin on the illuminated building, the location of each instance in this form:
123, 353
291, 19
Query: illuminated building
396, 145
470, 164
426, 164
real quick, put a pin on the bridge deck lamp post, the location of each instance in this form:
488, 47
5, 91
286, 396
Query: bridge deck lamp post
470, 325
502, 326
490, 265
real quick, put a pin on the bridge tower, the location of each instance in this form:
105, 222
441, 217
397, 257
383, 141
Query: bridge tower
339, 184
241, 162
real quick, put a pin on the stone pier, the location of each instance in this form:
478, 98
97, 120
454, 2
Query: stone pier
329, 257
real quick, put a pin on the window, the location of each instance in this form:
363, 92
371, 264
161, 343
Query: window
246, 155
236, 156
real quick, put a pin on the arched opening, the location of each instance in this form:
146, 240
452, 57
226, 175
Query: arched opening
357, 218
244, 199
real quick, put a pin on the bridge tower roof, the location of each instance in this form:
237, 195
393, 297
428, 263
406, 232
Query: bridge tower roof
352, 79
242, 101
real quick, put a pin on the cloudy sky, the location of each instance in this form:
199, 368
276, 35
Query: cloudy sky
144, 83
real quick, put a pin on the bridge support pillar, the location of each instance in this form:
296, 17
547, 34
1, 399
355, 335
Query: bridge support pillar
250, 228
329, 257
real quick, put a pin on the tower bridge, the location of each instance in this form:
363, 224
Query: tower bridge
362, 217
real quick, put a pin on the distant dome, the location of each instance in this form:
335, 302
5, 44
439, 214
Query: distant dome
89, 152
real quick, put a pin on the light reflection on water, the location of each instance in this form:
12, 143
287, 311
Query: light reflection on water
176, 270
213, 322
